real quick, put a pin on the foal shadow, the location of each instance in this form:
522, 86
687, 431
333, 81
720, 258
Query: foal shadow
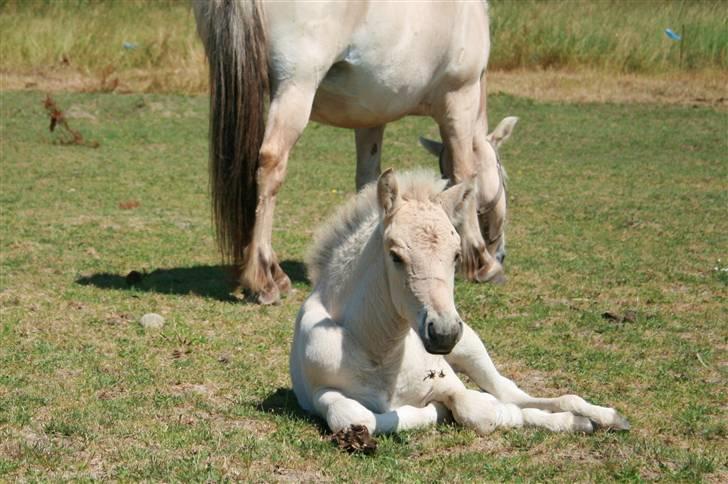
214, 282
283, 402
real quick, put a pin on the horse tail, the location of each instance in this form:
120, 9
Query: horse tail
234, 38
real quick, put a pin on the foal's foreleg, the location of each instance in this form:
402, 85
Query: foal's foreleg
368, 154
288, 115
342, 412
471, 357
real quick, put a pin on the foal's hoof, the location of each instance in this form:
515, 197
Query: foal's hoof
582, 425
618, 424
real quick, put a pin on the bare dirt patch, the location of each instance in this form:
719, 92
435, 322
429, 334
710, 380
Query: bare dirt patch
706, 88
699, 89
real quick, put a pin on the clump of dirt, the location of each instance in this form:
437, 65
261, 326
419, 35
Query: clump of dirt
129, 204
629, 316
355, 440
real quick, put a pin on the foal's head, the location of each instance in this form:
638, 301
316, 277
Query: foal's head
422, 250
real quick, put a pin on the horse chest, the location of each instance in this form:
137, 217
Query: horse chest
412, 380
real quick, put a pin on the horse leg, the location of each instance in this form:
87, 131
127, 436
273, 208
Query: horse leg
457, 116
342, 412
484, 413
368, 154
287, 117
470, 356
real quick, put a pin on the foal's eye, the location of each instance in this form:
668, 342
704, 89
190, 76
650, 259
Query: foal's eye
395, 257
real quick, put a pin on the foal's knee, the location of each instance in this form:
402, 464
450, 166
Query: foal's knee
345, 413
476, 410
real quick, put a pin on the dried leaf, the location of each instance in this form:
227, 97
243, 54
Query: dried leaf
129, 204
355, 439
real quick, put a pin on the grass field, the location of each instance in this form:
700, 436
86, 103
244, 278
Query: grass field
80, 44
613, 208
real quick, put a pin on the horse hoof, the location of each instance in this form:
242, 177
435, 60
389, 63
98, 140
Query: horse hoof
493, 275
618, 424
582, 424
284, 284
269, 295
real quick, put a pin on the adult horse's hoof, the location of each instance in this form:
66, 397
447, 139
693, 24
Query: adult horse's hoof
268, 295
281, 279
493, 274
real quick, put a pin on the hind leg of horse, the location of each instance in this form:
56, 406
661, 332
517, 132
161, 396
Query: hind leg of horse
368, 154
342, 412
457, 116
470, 356
287, 117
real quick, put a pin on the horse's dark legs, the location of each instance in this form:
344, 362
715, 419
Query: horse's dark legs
261, 275
368, 154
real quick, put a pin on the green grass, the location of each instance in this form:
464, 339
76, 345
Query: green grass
613, 35
612, 208
60, 37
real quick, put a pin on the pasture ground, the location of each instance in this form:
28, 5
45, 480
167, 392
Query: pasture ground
613, 208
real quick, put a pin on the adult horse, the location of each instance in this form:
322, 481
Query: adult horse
358, 65
378, 340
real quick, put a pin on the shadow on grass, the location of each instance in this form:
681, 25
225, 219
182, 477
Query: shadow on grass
283, 402
215, 282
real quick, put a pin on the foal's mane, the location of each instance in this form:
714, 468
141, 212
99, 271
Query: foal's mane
339, 241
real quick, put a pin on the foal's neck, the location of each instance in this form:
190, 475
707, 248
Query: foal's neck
367, 309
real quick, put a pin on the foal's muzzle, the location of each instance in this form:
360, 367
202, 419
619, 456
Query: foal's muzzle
440, 334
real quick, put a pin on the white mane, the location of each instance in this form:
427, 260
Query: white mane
338, 242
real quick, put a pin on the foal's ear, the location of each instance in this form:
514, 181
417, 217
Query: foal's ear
432, 146
454, 199
503, 131
388, 192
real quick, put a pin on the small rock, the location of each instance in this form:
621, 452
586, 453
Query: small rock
152, 321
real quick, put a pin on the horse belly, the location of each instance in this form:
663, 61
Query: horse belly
353, 97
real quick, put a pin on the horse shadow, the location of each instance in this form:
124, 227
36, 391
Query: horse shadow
283, 402
209, 281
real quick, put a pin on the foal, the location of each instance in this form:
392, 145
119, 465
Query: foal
377, 341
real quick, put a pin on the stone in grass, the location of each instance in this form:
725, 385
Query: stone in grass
152, 321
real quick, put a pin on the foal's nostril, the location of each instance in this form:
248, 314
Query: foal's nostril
431, 330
